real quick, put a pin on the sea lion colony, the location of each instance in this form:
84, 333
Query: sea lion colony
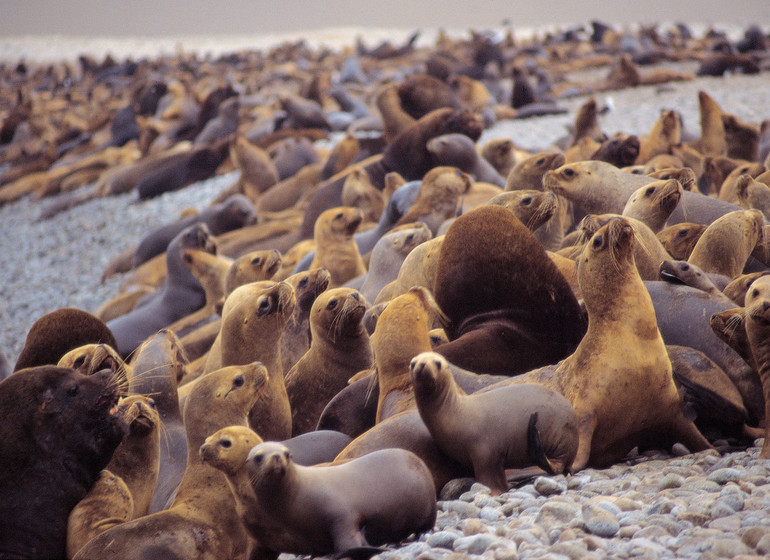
544, 286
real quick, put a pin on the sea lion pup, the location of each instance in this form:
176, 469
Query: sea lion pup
528, 173
502, 295
727, 243
358, 191
52, 417
258, 172
587, 124
401, 333
597, 377
735, 181
457, 150
158, 366
227, 451
380, 498
598, 187
437, 198
108, 503
336, 249
234, 213
180, 295
295, 339
653, 203
58, 332
679, 240
253, 319
387, 257
202, 521
340, 348
252, 267
757, 328
456, 421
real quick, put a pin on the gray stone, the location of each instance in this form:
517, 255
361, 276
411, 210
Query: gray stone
476, 544
600, 522
763, 545
725, 475
442, 539
463, 508
671, 481
548, 487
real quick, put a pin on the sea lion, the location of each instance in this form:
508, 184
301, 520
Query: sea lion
712, 137
295, 339
532, 208
253, 319
202, 521
665, 132
735, 181
737, 288
157, 368
252, 267
654, 203
680, 239
358, 191
387, 257
377, 499
52, 417
339, 349
502, 296
258, 172
418, 269
180, 295
532, 424
595, 378
56, 333
437, 198
528, 173
682, 272
757, 305
316, 447
728, 242
621, 150
587, 123
336, 249
235, 212
91, 358
137, 459
502, 154
457, 150
108, 503
742, 138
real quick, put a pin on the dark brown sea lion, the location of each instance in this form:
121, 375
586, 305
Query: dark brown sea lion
202, 521
459, 151
339, 349
377, 499
180, 295
530, 423
499, 289
52, 417
56, 333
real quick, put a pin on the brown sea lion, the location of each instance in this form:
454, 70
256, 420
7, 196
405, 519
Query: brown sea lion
377, 499
587, 124
503, 296
56, 333
258, 172
712, 138
528, 173
728, 242
736, 290
107, 504
457, 150
336, 249
734, 182
502, 154
757, 326
52, 417
612, 419
202, 521
358, 191
91, 358
742, 138
532, 208
252, 267
653, 203
621, 150
679, 240
437, 198
180, 295
532, 424
340, 348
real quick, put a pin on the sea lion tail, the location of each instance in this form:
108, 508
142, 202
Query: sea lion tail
535, 446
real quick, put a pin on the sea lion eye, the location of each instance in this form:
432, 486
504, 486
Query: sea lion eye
409, 238
569, 172
264, 306
151, 403
597, 241
258, 458
540, 161
649, 191
256, 260
755, 292
226, 443
339, 216
302, 283
332, 304
683, 232
526, 201
79, 362
238, 381
73, 390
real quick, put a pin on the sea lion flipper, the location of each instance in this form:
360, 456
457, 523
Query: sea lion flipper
535, 446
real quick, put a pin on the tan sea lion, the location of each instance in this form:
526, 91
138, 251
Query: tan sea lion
340, 348
596, 378
530, 423
528, 173
418, 269
336, 249
652, 204
679, 240
736, 290
91, 358
358, 191
437, 198
377, 499
726, 244
742, 138
258, 172
108, 503
729, 190
712, 137
252, 267
757, 327
587, 123
202, 521
502, 154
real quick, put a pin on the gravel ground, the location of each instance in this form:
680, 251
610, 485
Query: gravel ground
654, 506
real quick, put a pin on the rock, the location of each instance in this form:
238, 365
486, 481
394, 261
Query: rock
473, 527
600, 522
442, 539
463, 508
671, 481
476, 544
548, 486
725, 475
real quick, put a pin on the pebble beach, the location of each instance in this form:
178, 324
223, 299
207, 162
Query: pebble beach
664, 504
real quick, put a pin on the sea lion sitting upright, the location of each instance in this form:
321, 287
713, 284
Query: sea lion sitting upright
377, 499
180, 295
728, 242
509, 308
758, 330
512, 419
59, 430
336, 249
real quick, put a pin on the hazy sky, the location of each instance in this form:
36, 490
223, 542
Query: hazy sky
206, 17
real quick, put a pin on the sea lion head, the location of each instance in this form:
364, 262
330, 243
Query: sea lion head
609, 251
338, 223
758, 302
337, 312
235, 387
532, 208
268, 463
91, 358
228, 448
659, 197
429, 371
140, 413
530, 172
308, 285
252, 267
237, 211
